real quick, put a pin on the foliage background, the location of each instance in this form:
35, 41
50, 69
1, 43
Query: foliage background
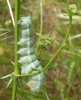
65, 71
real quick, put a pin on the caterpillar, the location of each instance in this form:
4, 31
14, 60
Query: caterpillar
28, 59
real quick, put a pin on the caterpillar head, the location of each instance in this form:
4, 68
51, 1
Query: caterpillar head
25, 22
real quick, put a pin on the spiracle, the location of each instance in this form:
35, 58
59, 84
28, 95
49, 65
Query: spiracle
28, 60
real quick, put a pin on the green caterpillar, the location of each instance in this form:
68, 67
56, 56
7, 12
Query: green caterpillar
28, 59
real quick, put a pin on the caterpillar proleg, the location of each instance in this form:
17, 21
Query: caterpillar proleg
28, 60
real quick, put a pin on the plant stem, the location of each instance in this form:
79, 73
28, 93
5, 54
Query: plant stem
14, 88
17, 6
16, 67
63, 44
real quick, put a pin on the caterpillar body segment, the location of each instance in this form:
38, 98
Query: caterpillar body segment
36, 82
26, 51
30, 67
27, 59
26, 42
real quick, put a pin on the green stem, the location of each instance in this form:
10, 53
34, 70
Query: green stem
61, 47
16, 67
14, 88
17, 6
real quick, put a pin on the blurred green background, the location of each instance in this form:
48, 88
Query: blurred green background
63, 78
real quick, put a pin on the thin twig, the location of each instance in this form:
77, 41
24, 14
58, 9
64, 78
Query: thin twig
6, 38
11, 14
6, 33
75, 36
